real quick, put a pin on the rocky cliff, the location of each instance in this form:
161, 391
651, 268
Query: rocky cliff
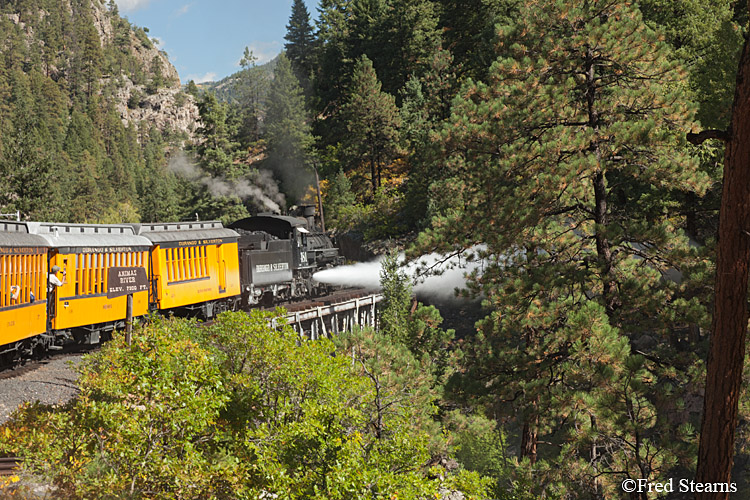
166, 107
140, 99
82, 96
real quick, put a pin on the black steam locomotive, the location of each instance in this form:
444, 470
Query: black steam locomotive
278, 257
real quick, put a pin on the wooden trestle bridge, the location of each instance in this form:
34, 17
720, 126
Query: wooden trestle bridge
336, 314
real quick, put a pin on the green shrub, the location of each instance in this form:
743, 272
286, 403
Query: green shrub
142, 423
235, 409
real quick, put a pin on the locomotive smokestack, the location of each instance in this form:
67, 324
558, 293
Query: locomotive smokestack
309, 214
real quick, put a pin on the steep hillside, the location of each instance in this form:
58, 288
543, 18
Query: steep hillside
135, 75
88, 109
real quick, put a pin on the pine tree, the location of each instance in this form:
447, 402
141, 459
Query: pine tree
403, 387
251, 87
425, 105
338, 198
393, 313
299, 48
27, 163
88, 55
332, 71
707, 38
409, 38
159, 191
469, 31
192, 89
727, 357
333, 66
87, 204
365, 36
287, 130
559, 165
216, 151
157, 76
372, 119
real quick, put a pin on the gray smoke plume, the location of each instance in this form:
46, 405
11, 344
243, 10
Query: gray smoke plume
435, 277
288, 166
259, 185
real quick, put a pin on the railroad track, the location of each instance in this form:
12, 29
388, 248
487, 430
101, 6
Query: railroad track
291, 307
9, 466
30, 365
327, 300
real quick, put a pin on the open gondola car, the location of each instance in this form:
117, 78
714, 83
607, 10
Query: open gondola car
84, 252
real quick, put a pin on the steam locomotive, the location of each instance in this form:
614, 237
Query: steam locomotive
195, 268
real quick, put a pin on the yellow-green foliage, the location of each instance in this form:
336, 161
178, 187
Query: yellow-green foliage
229, 410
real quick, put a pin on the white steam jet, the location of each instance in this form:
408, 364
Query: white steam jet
434, 276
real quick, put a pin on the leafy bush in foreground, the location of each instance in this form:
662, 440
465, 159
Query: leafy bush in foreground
236, 409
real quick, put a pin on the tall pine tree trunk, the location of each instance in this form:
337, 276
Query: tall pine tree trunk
727, 350
373, 173
529, 439
603, 249
530, 433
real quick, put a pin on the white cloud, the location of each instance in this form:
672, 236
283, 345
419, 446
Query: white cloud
264, 51
158, 42
131, 5
208, 77
183, 10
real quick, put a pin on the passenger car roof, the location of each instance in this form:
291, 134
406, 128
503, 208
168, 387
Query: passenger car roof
184, 231
87, 235
16, 234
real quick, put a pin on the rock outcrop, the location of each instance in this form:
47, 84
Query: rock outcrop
164, 106
167, 109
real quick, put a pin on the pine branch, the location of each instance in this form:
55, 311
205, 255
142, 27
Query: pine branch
700, 137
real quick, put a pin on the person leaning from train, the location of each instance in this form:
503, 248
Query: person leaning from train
54, 281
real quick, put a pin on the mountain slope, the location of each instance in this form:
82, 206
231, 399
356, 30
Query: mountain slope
88, 109
62, 37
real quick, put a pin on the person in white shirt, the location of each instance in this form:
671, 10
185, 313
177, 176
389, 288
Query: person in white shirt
53, 280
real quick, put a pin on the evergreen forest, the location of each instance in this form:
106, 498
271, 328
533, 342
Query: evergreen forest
576, 149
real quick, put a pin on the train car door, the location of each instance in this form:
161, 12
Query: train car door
222, 268
53, 292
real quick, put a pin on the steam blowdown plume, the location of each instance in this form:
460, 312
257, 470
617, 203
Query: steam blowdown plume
451, 275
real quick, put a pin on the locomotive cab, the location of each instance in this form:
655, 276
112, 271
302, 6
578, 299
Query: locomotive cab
278, 256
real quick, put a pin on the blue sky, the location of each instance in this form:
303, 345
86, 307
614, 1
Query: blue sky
205, 39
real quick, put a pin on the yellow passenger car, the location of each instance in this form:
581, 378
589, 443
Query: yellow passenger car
194, 266
23, 285
84, 253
